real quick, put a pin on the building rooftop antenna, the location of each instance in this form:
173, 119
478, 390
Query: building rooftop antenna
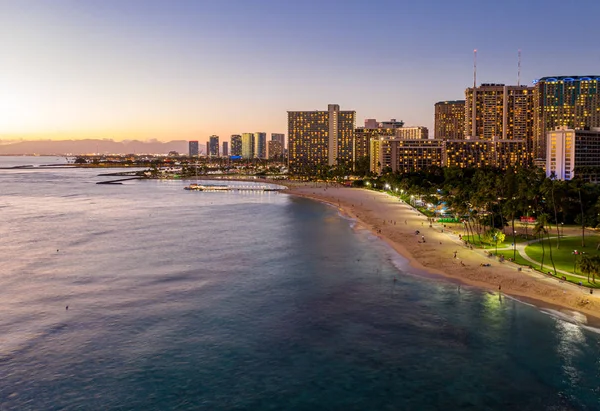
519, 70
474, 68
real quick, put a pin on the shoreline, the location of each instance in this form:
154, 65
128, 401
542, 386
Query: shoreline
395, 223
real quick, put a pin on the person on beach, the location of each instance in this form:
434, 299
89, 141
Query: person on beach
455, 254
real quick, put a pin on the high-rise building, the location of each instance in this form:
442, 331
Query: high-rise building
450, 120
573, 152
260, 145
225, 152
236, 145
363, 137
501, 112
320, 138
570, 101
275, 149
207, 148
371, 123
393, 123
497, 110
479, 153
248, 145
402, 155
213, 142
193, 148
412, 133
278, 137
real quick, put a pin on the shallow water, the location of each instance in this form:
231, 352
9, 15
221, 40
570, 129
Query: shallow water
189, 300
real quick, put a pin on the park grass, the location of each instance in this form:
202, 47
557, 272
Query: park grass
563, 257
474, 240
521, 261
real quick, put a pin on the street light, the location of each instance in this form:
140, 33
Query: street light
562, 226
496, 240
514, 246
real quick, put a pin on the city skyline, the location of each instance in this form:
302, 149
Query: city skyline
165, 71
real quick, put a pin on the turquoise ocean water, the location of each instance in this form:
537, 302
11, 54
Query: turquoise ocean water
250, 301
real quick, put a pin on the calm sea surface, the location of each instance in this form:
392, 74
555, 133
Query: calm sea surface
253, 301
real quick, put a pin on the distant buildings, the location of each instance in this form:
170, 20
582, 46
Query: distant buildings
236, 145
193, 148
275, 149
573, 152
278, 137
248, 145
450, 120
318, 138
571, 101
412, 133
225, 151
213, 142
260, 145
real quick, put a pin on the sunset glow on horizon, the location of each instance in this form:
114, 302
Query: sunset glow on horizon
189, 69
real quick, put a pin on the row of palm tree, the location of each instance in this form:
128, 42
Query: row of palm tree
488, 198
589, 264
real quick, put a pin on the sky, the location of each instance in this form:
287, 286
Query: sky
187, 69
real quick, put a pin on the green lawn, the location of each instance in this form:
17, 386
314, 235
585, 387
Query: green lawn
508, 241
564, 258
521, 261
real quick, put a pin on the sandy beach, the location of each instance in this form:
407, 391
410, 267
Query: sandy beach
396, 222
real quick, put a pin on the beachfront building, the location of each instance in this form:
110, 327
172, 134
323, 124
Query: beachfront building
363, 137
498, 111
236, 145
361, 146
564, 101
573, 152
450, 120
393, 154
260, 145
412, 133
479, 153
248, 145
193, 148
213, 144
320, 138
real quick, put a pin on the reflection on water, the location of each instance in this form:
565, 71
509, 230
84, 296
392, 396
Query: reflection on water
182, 300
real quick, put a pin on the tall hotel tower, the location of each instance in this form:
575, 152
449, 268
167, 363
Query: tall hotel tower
450, 120
320, 138
499, 112
572, 102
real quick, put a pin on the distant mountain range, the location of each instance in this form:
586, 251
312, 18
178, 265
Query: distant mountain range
91, 146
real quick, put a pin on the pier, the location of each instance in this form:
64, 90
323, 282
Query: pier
236, 188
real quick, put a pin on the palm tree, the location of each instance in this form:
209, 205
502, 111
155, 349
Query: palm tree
543, 221
540, 230
586, 265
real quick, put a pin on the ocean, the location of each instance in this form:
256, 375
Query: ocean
182, 300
